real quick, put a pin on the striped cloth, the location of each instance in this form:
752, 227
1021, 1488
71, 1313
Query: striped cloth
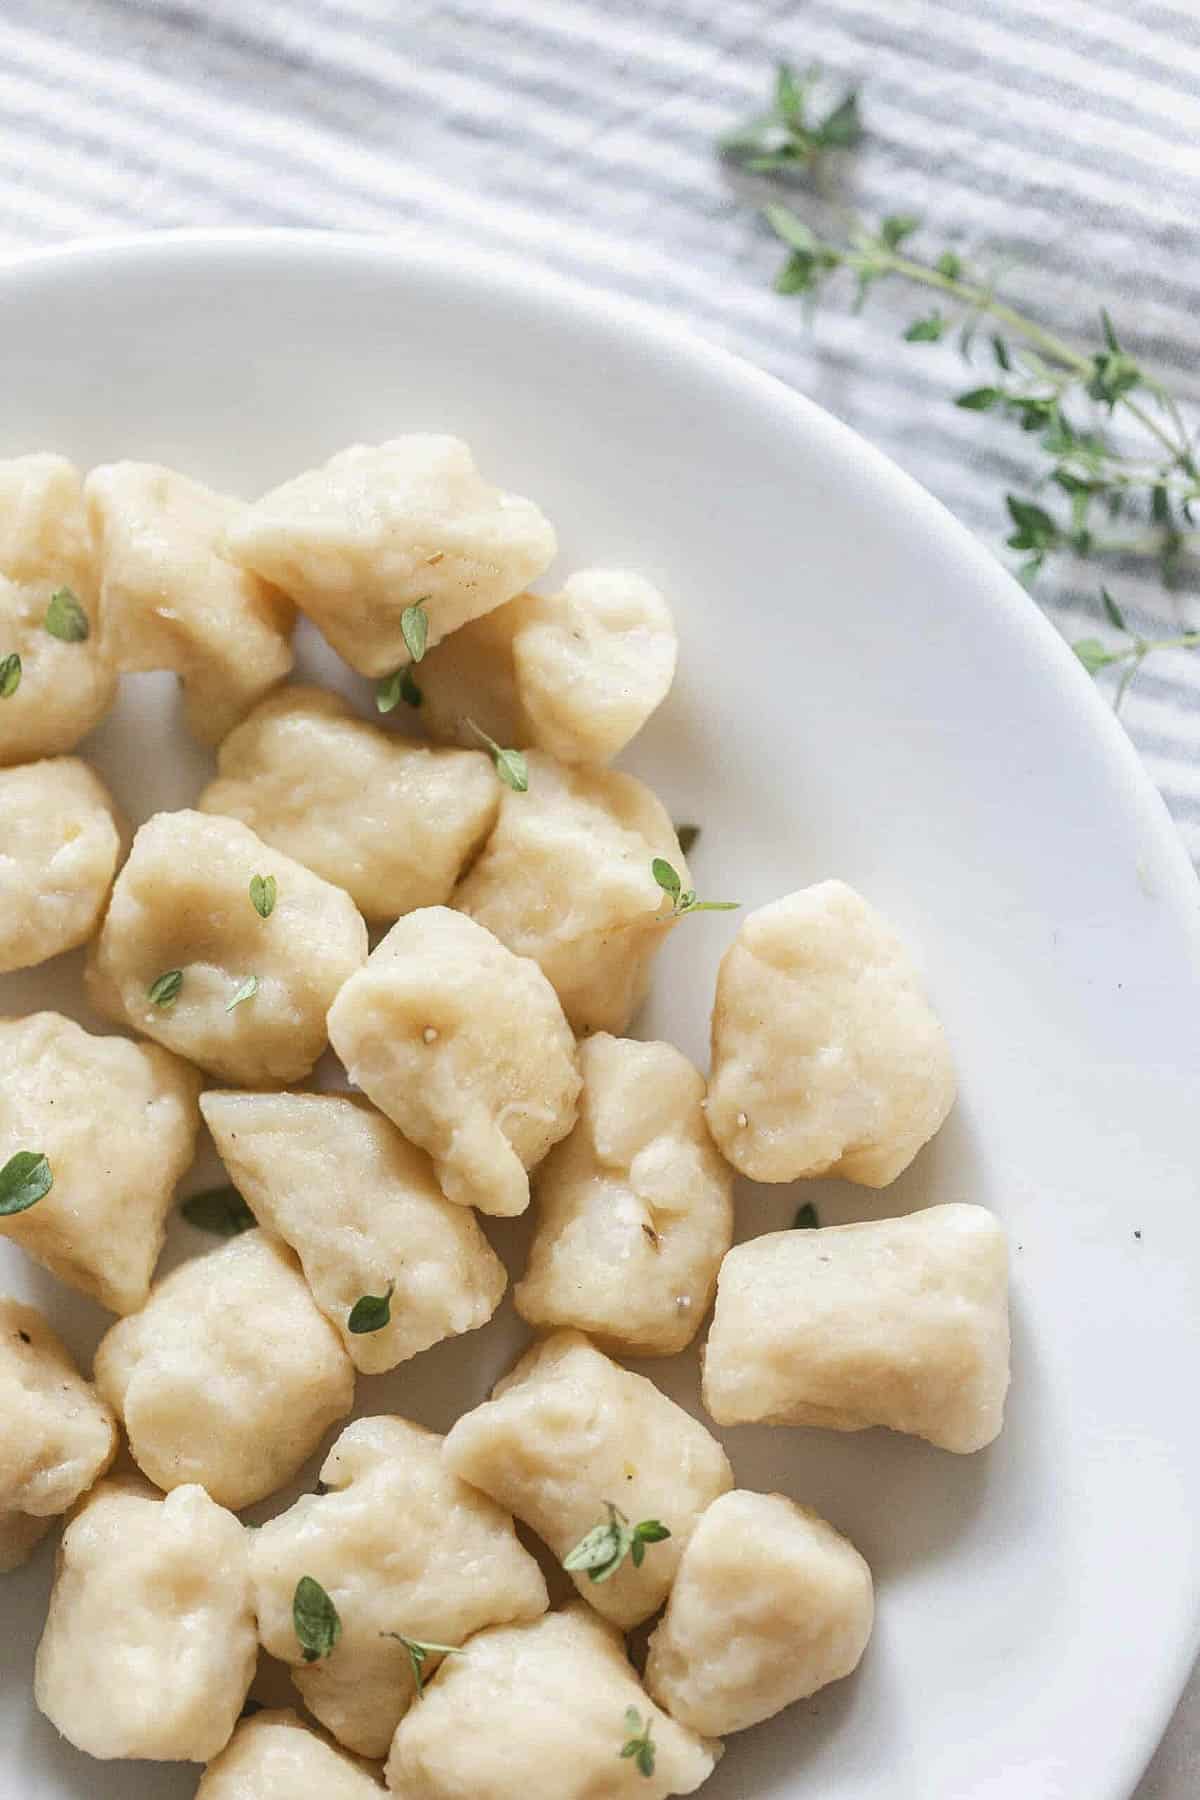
578, 133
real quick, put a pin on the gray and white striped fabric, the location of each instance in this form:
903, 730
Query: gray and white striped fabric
579, 133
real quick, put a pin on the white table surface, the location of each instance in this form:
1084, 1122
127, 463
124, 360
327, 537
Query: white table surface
578, 133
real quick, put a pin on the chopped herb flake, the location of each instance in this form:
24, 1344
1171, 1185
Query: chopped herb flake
25, 1179
65, 617
511, 766
371, 1312
220, 1210
247, 991
414, 629
165, 991
315, 1617
264, 890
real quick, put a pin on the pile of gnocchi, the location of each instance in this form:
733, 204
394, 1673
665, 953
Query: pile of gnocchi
486, 1070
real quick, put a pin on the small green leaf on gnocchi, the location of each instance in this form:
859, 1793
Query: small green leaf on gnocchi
315, 1617
65, 617
25, 1179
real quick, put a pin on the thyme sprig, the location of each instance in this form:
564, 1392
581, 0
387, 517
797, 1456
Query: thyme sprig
1121, 467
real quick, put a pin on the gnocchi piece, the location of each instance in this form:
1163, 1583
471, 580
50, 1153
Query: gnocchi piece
567, 1433
826, 1056
770, 1604
171, 599
401, 1546
56, 1434
391, 821
576, 673
251, 1000
61, 845
65, 682
363, 1211
470, 677
149, 1646
228, 1376
383, 527
634, 1209
465, 1047
272, 1756
544, 1710
566, 879
117, 1122
897, 1322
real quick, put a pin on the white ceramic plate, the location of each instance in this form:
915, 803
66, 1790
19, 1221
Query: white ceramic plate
863, 693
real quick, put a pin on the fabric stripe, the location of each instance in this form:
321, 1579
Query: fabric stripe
580, 134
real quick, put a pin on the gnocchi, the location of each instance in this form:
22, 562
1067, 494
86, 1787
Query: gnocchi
229, 1376
61, 842
566, 1433
566, 879
56, 1435
634, 1210
117, 1122
400, 1545
171, 600
576, 673
520, 909
770, 1604
384, 527
363, 1212
465, 1047
567, 1678
392, 821
273, 1756
149, 1646
897, 1322
185, 956
55, 684
826, 1056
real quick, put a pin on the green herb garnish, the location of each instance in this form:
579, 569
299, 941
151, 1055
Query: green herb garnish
511, 766
165, 990
414, 629
1102, 493
601, 1553
1095, 655
785, 137
220, 1210
394, 688
25, 1179
10, 675
316, 1619
65, 617
371, 1312
667, 877
264, 890
419, 1654
246, 991
639, 1743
